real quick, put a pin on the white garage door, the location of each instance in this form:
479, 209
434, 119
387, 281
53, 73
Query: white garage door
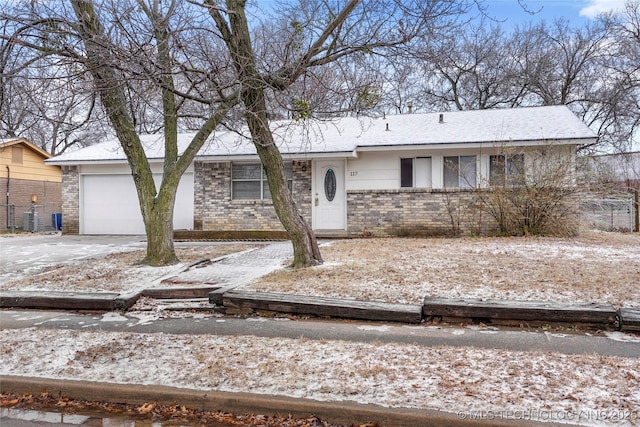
109, 205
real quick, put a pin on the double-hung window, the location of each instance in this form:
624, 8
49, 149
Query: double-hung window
249, 181
415, 172
460, 171
506, 169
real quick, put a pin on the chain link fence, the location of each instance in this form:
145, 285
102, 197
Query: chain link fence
609, 213
32, 218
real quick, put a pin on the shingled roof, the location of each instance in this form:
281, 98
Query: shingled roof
347, 135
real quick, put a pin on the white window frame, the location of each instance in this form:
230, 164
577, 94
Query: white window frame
463, 176
265, 194
418, 166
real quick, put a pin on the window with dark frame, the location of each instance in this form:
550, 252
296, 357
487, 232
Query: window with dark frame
415, 172
249, 181
406, 172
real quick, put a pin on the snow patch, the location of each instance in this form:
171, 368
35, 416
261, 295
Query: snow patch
387, 374
54, 319
113, 317
382, 328
621, 336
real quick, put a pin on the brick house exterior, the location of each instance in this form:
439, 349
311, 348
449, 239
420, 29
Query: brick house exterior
216, 210
418, 174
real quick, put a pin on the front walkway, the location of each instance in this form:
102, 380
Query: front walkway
241, 268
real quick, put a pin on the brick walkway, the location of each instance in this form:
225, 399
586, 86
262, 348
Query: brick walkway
241, 268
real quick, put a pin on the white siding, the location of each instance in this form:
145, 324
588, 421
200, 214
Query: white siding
374, 171
380, 170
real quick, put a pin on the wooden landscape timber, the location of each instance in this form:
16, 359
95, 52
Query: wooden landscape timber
59, 300
175, 292
233, 301
242, 301
629, 319
547, 311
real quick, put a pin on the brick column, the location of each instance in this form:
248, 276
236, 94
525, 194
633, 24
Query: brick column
70, 200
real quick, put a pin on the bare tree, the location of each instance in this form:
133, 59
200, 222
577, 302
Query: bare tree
101, 59
172, 65
591, 68
621, 122
474, 71
353, 28
39, 102
581, 67
132, 65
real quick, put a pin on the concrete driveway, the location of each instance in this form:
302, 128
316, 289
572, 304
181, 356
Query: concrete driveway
23, 254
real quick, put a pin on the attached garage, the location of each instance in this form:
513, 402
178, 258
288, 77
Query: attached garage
109, 202
384, 175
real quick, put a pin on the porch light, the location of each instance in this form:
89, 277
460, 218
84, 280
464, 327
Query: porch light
34, 198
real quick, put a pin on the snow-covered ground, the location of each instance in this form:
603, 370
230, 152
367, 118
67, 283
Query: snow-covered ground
595, 267
587, 390
484, 383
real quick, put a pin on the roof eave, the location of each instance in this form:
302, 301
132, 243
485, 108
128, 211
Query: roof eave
29, 144
477, 144
79, 162
287, 156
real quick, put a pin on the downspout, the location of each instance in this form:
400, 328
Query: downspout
8, 188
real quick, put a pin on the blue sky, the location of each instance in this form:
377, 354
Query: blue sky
577, 11
511, 13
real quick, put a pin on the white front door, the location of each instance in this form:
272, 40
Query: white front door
329, 197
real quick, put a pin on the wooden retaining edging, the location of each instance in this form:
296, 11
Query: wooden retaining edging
320, 306
629, 319
546, 311
99, 301
625, 319
59, 300
178, 292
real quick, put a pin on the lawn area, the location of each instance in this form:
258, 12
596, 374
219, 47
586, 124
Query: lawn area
117, 272
594, 267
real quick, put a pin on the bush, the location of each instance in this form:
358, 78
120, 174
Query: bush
534, 198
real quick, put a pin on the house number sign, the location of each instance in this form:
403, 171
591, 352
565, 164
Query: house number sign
330, 184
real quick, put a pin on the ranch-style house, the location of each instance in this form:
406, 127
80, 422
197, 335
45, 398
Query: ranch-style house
389, 175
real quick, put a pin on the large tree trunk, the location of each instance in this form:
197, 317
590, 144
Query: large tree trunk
159, 229
157, 213
156, 208
305, 246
